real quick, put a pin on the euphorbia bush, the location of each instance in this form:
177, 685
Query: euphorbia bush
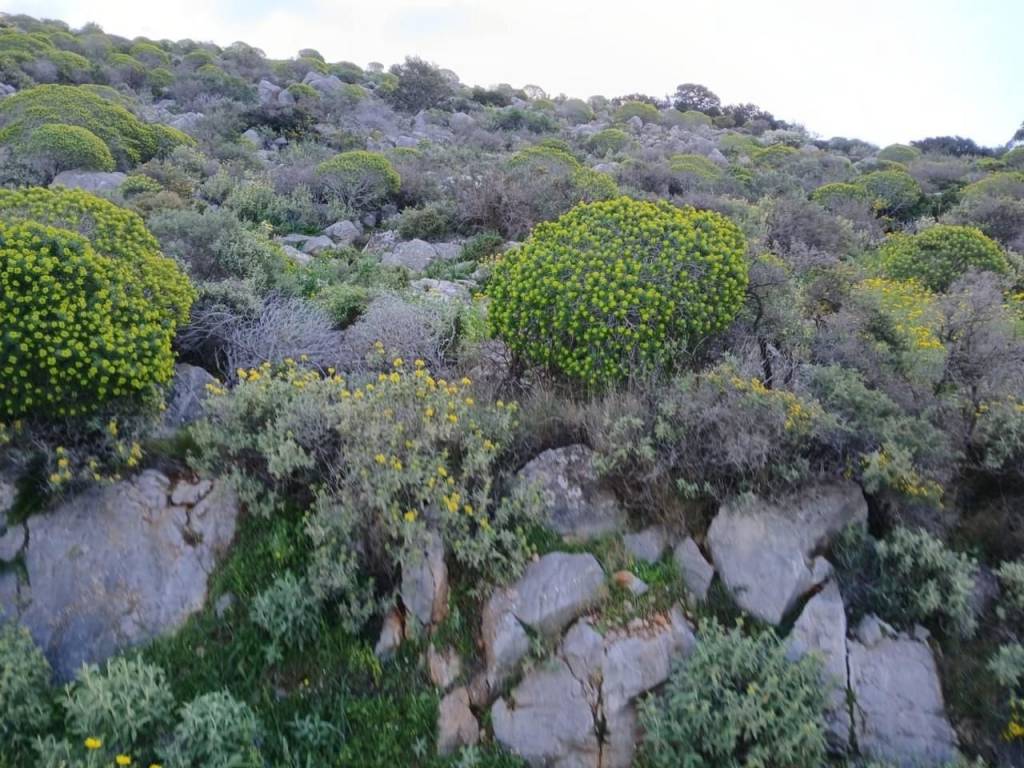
616, 286
88, 305
937, 256
359, 179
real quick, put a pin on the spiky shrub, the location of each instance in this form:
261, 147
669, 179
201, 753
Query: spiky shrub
129, 140
359, 179
88, 305
936, 257
616, 286
736, 701
380, 466
215, 731
24, 689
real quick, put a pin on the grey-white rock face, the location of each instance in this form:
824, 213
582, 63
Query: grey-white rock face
90, 181
299, 257
444, 666
343, 232
548, 720
425, 584
556, 589
186, 396
763, 550
442, 289
821, 629
505, 640
456, 725
316, 244
392, 633
899, 715
253, 137
381, 242
647, 545
267, 92
12, 535
633, 665
117, 566
696, 571
414, 255
578, 506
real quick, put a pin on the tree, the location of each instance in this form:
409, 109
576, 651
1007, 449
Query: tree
698, 98
951, 145
421, 85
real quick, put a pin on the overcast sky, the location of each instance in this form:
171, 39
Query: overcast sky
881, 70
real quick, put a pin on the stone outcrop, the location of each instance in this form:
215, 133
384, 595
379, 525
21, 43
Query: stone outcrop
118, 565
579, 507
696, 571
764, 550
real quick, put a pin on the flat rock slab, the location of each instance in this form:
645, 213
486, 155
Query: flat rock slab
556, 589
118, 565
763, 550
548, 721
578, 506
899, 715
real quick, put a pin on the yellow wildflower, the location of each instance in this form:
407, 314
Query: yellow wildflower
93, 743
380, 458
123, 760
410, 516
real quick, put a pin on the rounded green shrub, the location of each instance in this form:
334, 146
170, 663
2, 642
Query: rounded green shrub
899, 153
839, 194
129, 140
24, 688
216, 731
893, 193
609, 140
88, 305
936, 257
646, 112
695, 165
55, 148
736, 701
618, 285
359, 179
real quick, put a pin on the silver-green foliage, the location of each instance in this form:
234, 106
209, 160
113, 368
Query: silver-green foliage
24, 686
288, 611
215, 731
736, 701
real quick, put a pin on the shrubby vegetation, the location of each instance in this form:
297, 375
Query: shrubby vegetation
714, 300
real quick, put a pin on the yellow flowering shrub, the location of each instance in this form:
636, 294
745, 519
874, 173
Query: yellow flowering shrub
618, 285
88, 305
380, 465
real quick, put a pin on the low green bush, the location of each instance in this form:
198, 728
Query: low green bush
895, 194
908, 578
25, 695
344, 303
610, 140
736, 701
215, 731
431, 222
126, 707
359, 179
288, 612
615, 287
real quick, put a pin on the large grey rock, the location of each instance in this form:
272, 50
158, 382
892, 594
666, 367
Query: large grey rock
343, 232
381, 242
505, 641
90, 181
414, 255
634, 665
117, 566
425, 583
556, 589
696, 571
899, 715
392, 633
323, 83
821, 629
444, 290
268, 92
12, 539
186, 121
253, 137
456, 725
548, 721
299, 257
185, 398
647, 545
763, 550
448, 251
444, 666
579, 507
314, 245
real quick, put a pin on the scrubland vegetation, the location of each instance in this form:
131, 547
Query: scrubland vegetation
716, 301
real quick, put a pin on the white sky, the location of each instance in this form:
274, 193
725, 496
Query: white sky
881, 70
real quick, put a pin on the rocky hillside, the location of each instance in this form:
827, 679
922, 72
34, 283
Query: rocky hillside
362, 417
